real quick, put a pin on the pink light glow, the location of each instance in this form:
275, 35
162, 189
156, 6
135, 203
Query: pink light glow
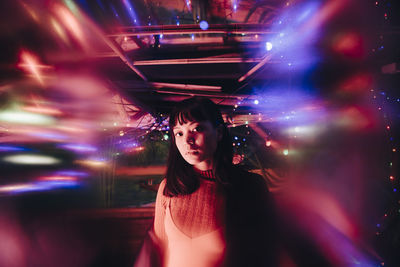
71, 24
30, 63
43, 110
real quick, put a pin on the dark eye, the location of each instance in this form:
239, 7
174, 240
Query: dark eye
198, 129
178, 134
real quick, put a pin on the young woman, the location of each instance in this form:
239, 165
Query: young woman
208, 212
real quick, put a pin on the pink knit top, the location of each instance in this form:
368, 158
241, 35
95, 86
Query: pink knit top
190, 227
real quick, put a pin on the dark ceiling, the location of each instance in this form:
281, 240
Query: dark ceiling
155, 52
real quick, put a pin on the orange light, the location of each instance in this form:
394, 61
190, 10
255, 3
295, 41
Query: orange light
58, 178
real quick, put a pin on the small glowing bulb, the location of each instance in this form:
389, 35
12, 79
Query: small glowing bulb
121, 133
391, 177
286, 152
203, 25
268, 46
256, 102
268, 143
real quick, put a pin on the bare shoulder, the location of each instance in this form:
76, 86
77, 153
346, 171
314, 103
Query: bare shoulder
162, 184
161, 198
160, 191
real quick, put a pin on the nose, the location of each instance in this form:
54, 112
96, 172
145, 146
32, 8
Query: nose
189, 139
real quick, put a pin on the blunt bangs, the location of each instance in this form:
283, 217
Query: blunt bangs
195, 109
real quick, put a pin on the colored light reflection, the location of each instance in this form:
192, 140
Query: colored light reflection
134, 149
203, 25
349, 44
10, 148
31, 64
70, 22
83, 148
59, 30
42, 110
130, 10
268, 46
62, 178
304, 130
94, 163
74, 173
23, 117
30, 159
47, 135
44, 185
23, 188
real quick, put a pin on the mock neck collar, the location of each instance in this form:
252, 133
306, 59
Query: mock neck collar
208, 175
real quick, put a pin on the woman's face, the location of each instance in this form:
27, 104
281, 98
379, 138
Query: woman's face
197, 143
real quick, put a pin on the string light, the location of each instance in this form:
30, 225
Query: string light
386, 98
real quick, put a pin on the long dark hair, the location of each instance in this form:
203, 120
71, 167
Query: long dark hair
181, 178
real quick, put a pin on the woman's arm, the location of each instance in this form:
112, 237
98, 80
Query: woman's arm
159, 215
152, 251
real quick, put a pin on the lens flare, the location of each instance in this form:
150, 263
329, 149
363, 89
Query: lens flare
31, 159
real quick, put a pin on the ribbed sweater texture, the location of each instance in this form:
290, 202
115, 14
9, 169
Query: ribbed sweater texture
194, 215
